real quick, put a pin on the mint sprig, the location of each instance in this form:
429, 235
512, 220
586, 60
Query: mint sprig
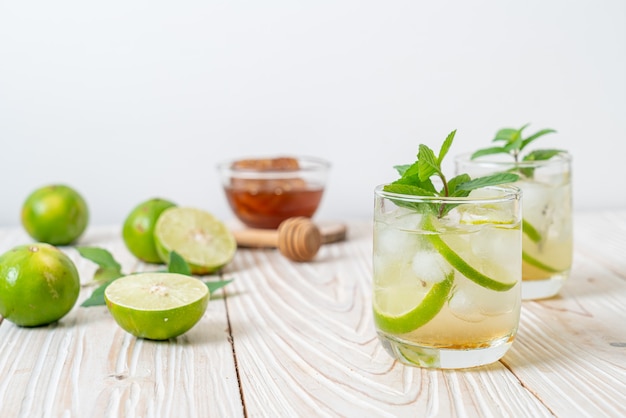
513, 143
416, 179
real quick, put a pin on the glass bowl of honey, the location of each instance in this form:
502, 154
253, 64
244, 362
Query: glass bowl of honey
263, 192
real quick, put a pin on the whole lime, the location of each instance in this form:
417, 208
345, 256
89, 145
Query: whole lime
55, 214
138, 229
39, 284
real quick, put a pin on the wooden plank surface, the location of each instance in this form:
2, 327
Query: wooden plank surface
86, 366
303, 344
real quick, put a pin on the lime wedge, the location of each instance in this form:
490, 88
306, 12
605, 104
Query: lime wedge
461, 265
536, 263
157, 306
425, 302
530, 231
202, 240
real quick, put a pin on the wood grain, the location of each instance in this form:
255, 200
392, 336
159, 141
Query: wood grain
86, 366
291, 339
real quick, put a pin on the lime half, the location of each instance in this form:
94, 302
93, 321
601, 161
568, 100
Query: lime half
398, 310
157, 306
202, 240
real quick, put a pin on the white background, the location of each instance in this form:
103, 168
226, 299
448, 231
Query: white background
127, 100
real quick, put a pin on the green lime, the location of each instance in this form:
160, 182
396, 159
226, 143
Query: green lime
202, 240
399, 310
157, 306
461, 265
138, 229
55, 214
530, 231
527, 258
39, 284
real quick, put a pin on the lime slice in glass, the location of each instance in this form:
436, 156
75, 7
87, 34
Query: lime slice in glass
460, 264
399, 310
157, 306
538, 264
202, 240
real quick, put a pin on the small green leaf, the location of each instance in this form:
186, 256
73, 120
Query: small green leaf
445, 147
505, 134
177, 264
213, 286
489, 151
100, 256
515, 142
407, 189
534, 136
454, 182
401, 169
97, 296
104, 274
427, 162
542, 154
492, 180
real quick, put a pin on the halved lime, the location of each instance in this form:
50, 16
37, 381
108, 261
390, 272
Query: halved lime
398, 310
157, 306
197, 236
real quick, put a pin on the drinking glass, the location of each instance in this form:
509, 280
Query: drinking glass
547, 242
447, 276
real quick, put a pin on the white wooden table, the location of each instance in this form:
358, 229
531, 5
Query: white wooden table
287, 339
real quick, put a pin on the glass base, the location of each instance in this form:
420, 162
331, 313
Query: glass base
542, 289
444, 358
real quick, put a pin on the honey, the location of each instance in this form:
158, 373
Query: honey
267, 208
264, 192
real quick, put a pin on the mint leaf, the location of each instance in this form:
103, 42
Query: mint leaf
453, 185
177, 264
213, 286
105, 274
492, 180
97, 296
408, 189
416, 178
489, 151
427, 163
101, 257
445, 147
401, 169
534, 136
542, 154
515, 143
506, 135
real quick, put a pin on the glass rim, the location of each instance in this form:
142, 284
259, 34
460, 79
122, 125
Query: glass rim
509, 193
311, 164
563, 157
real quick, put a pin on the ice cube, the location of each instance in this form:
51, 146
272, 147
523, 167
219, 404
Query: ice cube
499, 303
430, 267
388, 240
497, 253
465, 302
537, 204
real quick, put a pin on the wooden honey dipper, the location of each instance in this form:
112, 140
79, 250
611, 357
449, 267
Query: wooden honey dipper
297, 238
